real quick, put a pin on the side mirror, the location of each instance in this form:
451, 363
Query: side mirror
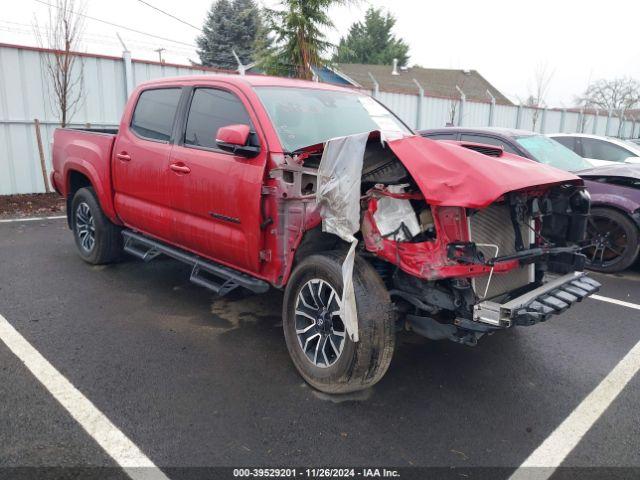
632, 160
234, 139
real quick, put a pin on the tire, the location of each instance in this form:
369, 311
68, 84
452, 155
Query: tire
355, 366
88, 219
619, 250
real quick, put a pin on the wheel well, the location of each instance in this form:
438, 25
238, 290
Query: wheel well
606, 206
315, 241
77, 181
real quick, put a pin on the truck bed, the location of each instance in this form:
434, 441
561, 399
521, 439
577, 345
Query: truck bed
87, 151
110, 131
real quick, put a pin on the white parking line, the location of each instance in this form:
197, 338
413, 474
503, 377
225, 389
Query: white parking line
616, 302
544, 461
125, 453
31, 219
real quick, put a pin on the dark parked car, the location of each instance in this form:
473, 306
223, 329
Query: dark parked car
614, 228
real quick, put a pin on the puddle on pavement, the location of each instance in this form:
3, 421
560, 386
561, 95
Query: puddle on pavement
240, 310
360, 396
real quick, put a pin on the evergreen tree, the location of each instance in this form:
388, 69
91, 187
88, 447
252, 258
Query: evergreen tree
298, 42
372, 41
231, 25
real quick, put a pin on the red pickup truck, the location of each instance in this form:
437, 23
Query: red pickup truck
251, 179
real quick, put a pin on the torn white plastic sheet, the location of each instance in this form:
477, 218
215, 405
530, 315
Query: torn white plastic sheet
338, 196
395, 216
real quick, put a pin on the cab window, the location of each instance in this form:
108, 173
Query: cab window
155, 112
210, 110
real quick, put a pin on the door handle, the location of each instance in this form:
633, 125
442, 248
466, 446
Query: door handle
124, 156
179, 167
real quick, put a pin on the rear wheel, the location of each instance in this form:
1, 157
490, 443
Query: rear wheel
315, 333
98, 240
613, 241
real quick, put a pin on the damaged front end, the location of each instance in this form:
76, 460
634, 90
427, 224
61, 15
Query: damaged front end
463, 272
466, 244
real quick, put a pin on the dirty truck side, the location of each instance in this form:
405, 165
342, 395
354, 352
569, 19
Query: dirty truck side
261, 182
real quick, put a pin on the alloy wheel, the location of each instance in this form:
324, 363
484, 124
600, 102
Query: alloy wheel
85, 227
319, 327
607, 241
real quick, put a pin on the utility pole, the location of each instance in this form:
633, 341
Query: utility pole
160, 50
492, 107
463, 100
128, 68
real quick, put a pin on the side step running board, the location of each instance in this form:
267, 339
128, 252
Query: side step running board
208, 274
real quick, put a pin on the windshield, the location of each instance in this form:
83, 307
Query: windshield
306, 116
546, 150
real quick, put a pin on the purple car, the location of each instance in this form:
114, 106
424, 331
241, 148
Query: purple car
614, 226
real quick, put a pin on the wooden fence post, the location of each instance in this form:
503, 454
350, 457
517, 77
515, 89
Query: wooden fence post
43, 165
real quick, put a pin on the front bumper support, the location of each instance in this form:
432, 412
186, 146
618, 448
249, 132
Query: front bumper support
538, 305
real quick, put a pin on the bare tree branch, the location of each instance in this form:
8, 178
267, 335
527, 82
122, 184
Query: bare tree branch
454, 101
617, 95
538, 92
64, 69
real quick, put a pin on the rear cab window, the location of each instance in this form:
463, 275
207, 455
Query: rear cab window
155, 113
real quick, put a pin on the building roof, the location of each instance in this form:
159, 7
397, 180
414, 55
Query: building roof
435, 81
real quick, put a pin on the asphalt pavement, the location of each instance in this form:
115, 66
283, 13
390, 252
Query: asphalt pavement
199, 381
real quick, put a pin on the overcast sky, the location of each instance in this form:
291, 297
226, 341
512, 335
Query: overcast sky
505, 40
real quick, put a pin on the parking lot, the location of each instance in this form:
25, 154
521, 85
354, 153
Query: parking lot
195, 381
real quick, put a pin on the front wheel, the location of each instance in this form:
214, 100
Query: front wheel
316, 336
613, 242
98, 240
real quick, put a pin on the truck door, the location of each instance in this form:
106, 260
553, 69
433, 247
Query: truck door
216, 195
141, 164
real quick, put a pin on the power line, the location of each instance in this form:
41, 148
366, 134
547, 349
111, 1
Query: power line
97, 38
120, 26
101, 40
169, 15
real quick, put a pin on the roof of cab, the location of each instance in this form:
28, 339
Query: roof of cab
246, 80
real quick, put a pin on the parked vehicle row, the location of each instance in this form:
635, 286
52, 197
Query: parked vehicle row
244, 178
613, 231
600, 150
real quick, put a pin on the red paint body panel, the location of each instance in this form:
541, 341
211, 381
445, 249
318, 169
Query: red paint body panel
142, 196
89, 154
449, 174
229, 209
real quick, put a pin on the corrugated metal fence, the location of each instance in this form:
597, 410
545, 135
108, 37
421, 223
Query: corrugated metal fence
437, 112
25, 95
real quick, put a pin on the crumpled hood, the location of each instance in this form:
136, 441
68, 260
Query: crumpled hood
626, 170
451, 175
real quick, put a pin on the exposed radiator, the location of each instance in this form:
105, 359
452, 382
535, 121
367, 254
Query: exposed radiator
492, 225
